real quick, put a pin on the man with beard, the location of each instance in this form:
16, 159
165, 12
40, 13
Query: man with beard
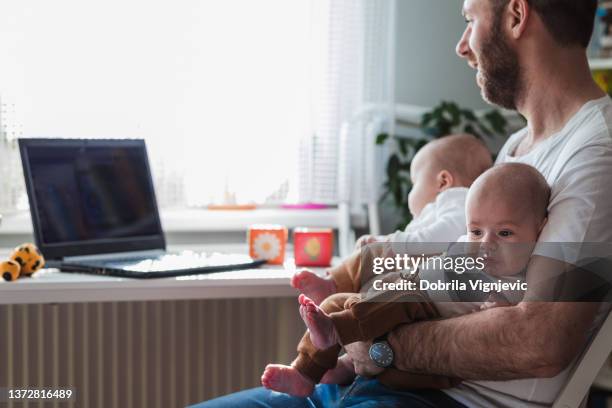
530, 56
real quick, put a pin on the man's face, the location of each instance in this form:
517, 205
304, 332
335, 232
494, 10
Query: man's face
486, 49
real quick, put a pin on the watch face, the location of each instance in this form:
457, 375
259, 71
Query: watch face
382, 354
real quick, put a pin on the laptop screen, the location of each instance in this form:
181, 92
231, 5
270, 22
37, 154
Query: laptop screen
90, 196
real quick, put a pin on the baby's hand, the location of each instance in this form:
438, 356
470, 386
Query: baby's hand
365, 240
495, 300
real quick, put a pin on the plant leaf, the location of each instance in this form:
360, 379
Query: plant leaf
403, 146
381, 138
398, 195
455, 113
393, 167
426, 119
420, 143
497, 121
485, 130
468, 115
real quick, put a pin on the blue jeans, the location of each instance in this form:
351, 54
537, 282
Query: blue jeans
362, 393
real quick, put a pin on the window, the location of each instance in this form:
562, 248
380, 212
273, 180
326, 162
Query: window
239, 101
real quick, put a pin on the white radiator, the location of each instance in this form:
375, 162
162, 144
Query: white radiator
144, 354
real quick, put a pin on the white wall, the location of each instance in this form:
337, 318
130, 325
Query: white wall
427, 68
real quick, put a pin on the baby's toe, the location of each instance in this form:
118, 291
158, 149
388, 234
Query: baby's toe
302, 310
310, 308
309, 302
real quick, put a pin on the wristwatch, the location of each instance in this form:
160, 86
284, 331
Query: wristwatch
381, 353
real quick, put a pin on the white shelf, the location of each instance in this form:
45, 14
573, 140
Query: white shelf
600, 63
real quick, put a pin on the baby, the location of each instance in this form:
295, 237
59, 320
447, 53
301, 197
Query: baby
506, 207
441, 173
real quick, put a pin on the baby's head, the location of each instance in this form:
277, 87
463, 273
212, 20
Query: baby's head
451, 161
506, 210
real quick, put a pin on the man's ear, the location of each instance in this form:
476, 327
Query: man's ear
444, 180
518, 14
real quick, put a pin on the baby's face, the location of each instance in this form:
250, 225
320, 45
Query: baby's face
505, 234
423, 178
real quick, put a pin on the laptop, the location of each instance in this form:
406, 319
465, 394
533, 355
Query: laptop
94, 211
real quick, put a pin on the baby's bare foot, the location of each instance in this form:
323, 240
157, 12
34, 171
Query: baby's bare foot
286, 379
320, 326
343, 373
312, 285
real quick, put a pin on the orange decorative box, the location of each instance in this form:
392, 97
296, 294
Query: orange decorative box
313, 247
267, 242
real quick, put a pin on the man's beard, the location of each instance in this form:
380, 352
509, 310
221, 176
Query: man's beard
500, 71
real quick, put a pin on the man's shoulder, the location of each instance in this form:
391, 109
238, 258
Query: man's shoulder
588, 135
593, 125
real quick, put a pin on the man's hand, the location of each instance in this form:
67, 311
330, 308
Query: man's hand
359, 353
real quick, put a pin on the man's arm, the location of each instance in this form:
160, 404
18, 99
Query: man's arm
531, 339
534, 339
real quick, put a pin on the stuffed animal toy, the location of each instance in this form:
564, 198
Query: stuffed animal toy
24, 261
10, 270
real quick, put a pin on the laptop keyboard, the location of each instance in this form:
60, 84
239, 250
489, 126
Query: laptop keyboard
172, 262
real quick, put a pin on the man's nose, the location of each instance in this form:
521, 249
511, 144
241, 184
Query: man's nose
463, 49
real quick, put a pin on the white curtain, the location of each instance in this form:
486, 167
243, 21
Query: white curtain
355, 83
239, 101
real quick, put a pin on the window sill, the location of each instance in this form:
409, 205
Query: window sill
201, 220
51, 286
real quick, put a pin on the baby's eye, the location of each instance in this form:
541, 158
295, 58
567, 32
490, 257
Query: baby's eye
476, 232
505, 233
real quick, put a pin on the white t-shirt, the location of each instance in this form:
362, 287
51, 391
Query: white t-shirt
577, 163
440, 221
